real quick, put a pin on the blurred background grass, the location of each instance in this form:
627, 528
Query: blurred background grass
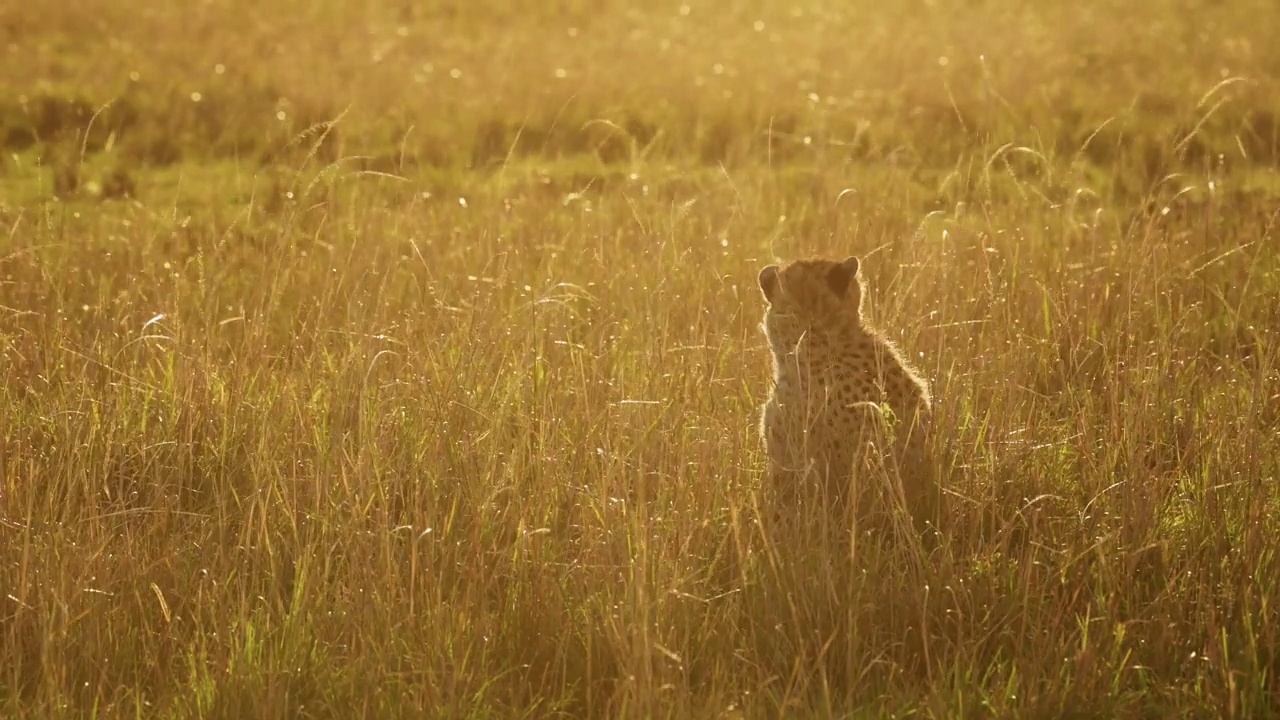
386, 359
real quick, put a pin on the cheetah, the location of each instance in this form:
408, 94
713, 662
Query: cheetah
842, 396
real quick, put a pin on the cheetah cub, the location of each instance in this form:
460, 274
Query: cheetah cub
842, 397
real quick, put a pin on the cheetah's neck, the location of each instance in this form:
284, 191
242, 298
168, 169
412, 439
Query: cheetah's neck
818, 354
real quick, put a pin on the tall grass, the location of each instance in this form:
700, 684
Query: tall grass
362, 387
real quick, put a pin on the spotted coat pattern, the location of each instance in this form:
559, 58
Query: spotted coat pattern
843, 397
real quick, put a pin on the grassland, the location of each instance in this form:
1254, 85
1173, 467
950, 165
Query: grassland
402, 359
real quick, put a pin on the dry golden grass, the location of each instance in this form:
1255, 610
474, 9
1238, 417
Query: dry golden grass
402, 360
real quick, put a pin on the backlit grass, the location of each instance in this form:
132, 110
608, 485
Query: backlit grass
403, 360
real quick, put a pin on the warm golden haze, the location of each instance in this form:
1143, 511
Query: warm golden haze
403, 359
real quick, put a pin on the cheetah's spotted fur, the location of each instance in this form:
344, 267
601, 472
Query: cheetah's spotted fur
833, 378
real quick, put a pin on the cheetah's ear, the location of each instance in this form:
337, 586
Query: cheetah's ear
769, 282
839, 277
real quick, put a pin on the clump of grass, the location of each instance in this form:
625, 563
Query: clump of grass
454, 411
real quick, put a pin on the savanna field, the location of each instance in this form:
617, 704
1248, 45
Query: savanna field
403, 359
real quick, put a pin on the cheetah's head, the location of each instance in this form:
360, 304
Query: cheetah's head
809, 295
